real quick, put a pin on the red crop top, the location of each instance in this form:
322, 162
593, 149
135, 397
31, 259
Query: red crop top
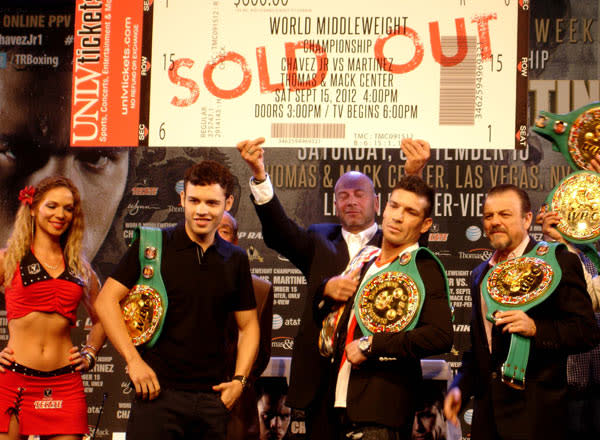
33, 290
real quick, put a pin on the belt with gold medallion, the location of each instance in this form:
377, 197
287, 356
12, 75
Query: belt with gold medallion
145, 306
520, 284
391, 300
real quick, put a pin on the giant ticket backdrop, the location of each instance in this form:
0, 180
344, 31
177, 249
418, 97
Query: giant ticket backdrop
336, 73
126, 187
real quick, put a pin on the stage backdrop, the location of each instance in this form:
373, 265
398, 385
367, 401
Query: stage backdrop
127, 187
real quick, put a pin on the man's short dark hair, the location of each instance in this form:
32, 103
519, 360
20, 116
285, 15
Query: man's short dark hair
418, 186
523, 196
209, 172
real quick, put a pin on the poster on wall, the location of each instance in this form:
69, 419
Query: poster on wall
300, 72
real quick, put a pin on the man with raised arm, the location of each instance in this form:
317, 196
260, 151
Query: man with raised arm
319, 251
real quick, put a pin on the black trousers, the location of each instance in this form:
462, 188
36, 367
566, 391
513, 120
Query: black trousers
178, 415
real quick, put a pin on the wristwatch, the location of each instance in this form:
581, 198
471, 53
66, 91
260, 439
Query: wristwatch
364, 345
243, 380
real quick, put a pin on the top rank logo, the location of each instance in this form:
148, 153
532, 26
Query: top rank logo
144, 190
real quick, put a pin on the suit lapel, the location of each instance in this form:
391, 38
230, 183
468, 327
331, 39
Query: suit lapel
341, 248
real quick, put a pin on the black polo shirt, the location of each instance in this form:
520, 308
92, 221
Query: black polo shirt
202, 288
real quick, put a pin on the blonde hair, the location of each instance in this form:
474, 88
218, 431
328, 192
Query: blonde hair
20, 241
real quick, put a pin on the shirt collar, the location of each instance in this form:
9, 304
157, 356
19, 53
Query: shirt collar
182, 241
517, 252
365, 235
411, 248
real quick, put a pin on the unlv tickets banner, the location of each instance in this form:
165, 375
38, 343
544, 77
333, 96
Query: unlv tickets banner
332, 74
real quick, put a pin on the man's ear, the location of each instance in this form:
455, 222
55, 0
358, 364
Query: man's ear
228, 203
426, 225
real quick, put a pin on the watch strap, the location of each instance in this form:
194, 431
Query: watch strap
242, 379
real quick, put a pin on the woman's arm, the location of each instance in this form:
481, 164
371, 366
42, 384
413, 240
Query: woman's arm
96, 336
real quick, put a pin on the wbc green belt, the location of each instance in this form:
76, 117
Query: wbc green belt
145, 306
576, 134
520, 284
391, 300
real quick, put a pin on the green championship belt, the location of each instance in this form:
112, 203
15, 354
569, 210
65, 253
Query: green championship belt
391, 300
577, 199
520, 284
576, 135
145, 306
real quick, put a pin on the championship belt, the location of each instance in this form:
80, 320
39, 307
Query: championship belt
576, 135
577, 199
327, 333
520, 284
391, 300
145, 306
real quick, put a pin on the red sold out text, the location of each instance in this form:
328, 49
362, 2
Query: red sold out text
294, 82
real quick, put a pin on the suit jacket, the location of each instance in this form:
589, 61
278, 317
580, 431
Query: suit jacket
243, 420
565, 325
386, 388
319, 252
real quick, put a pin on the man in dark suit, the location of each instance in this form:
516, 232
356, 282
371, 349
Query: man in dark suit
376, 378
243, 421
320, 251
560, 325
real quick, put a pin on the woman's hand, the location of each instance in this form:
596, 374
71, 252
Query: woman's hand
6, 358
80, 361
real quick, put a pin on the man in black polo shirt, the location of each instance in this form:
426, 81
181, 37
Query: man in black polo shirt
180, 384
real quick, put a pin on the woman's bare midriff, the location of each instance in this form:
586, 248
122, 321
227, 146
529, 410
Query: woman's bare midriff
40, 340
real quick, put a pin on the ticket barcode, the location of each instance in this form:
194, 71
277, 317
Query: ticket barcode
457, 85
308, 131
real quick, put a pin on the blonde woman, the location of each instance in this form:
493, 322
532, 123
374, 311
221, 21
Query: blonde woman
45, 277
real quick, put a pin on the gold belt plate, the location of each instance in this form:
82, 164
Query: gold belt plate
584, 137
388, 303
519, 281
577, 200
142, 310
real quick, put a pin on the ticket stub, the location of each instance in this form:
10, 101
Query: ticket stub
328, 74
